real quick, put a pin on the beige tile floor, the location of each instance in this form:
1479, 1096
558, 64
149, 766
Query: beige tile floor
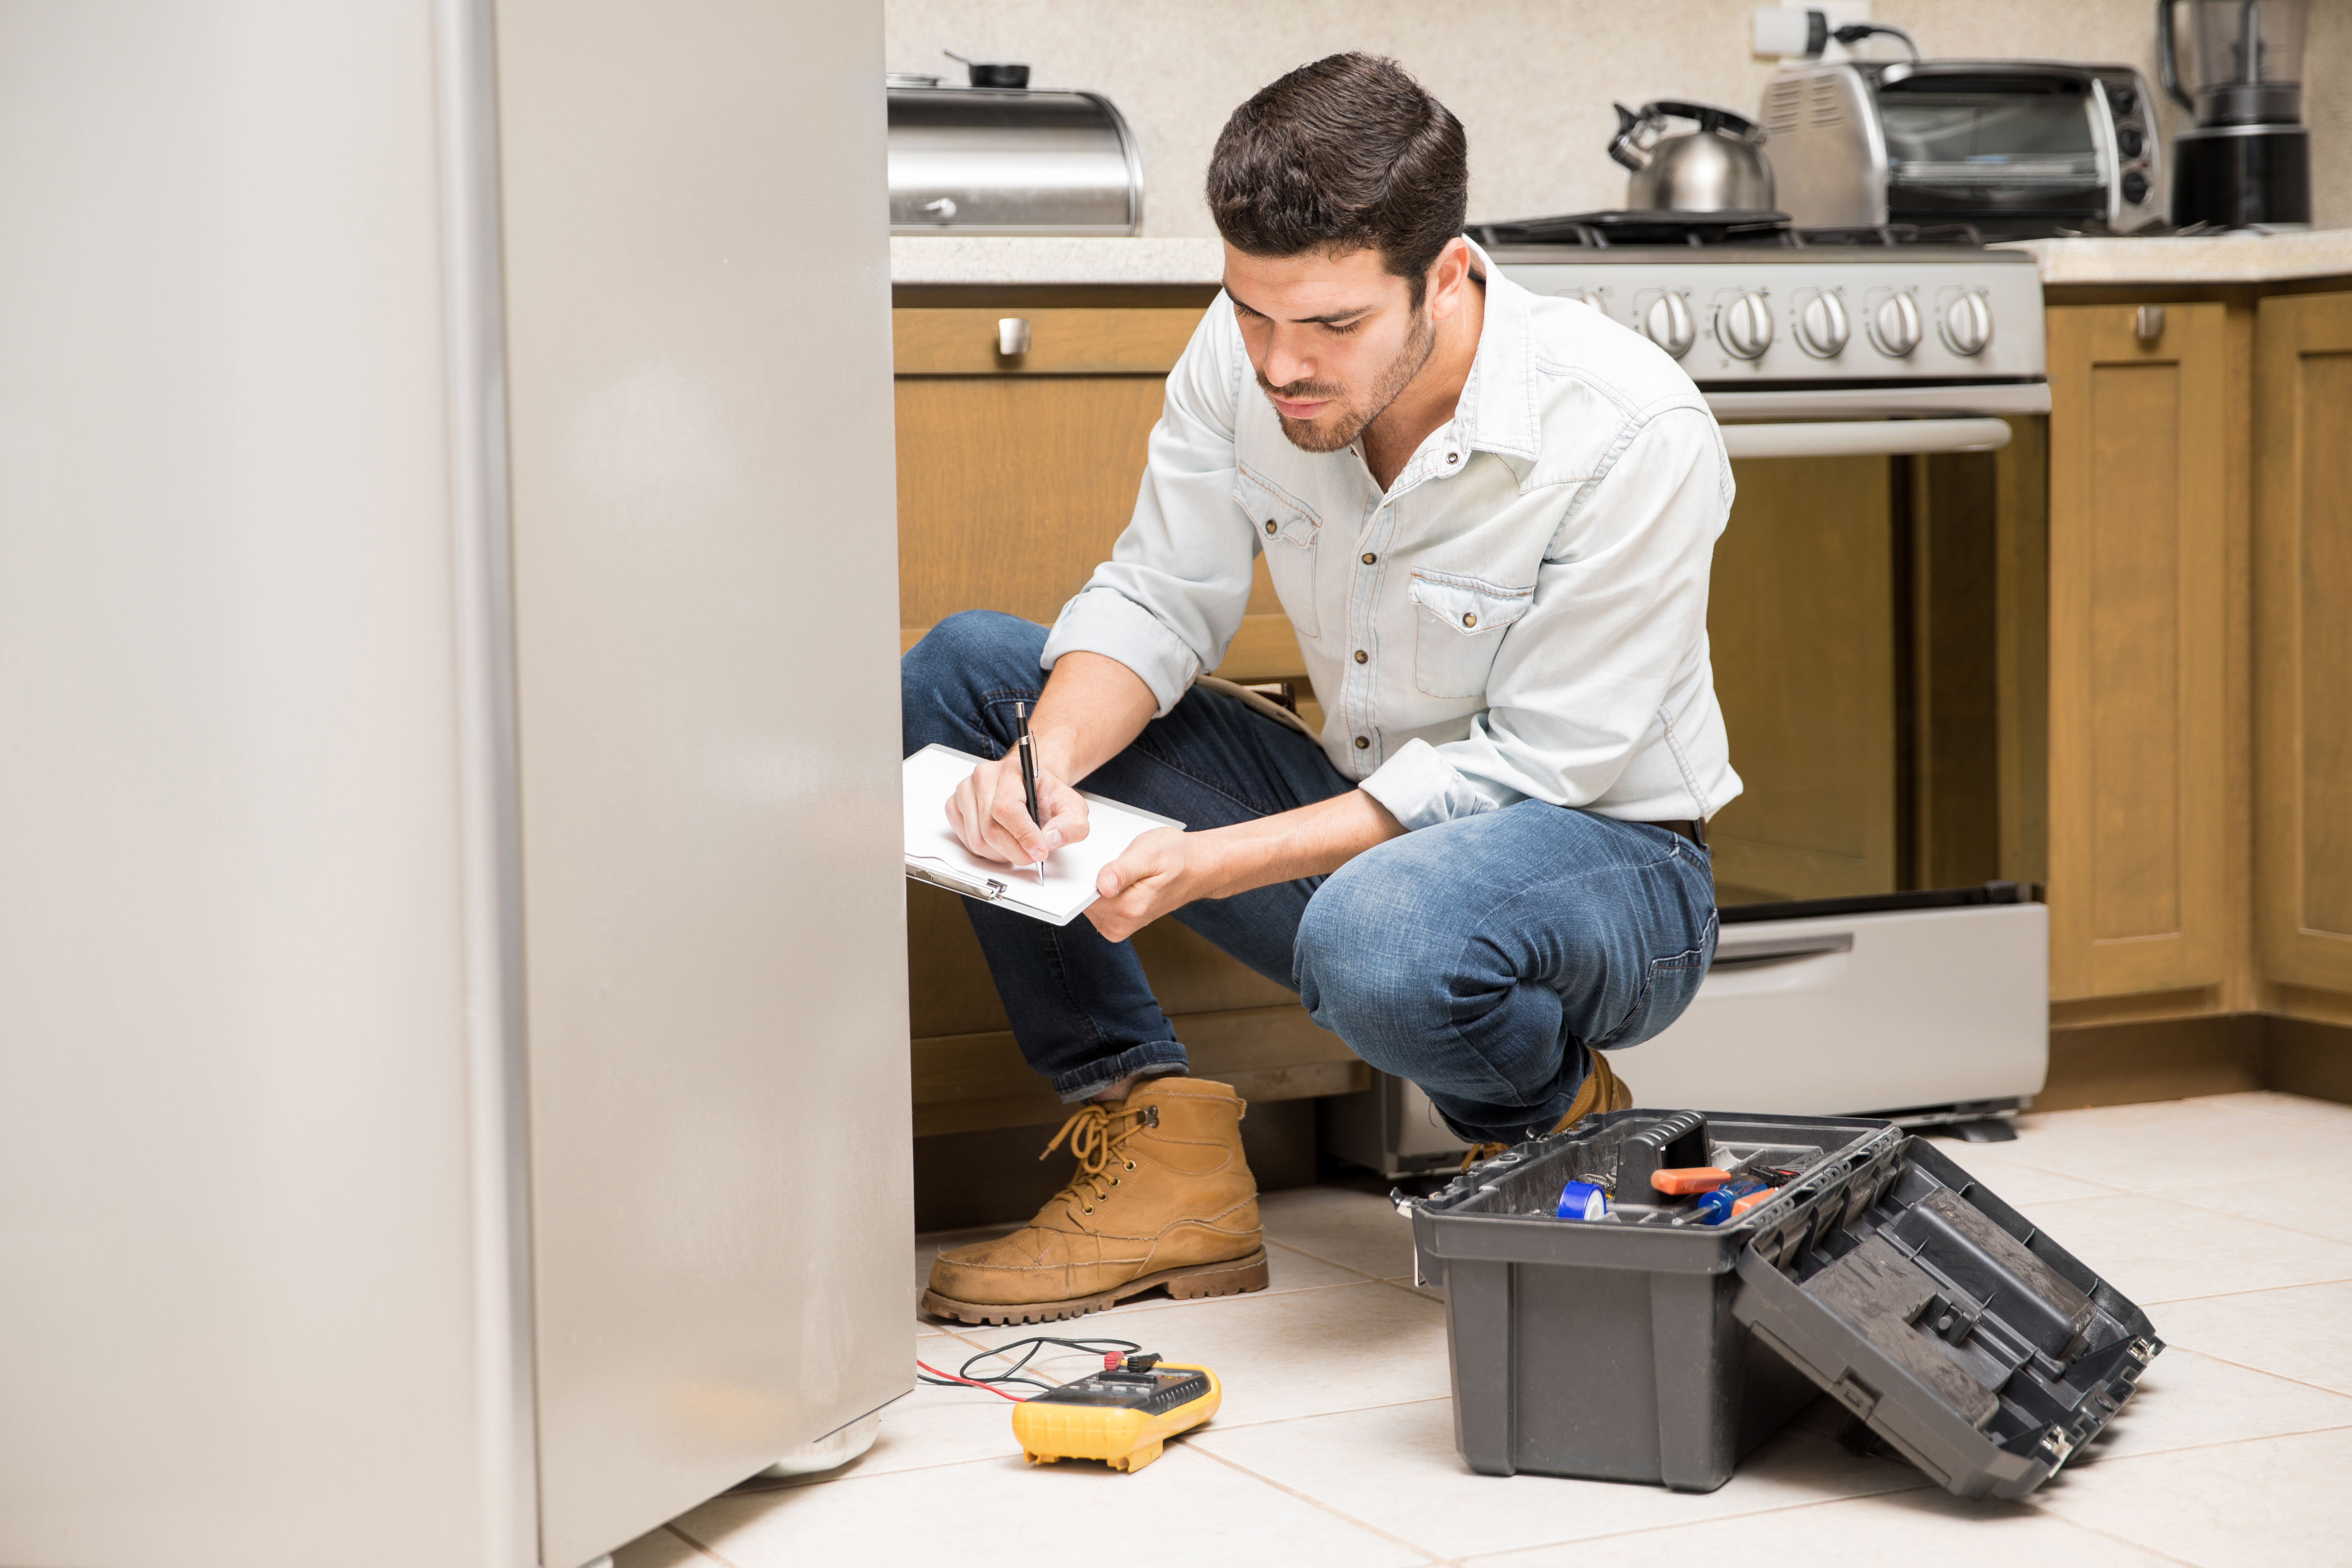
2224, 1217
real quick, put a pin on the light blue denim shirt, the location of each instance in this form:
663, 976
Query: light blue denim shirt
1521, 615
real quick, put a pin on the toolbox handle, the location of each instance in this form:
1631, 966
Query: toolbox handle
1777, 949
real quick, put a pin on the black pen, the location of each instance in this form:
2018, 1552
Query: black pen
1028, 747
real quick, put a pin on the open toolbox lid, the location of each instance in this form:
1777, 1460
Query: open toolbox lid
1973, 1345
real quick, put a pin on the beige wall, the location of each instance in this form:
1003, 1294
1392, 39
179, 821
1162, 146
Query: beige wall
1532, 79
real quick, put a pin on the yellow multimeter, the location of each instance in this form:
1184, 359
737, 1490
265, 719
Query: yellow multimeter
1122, 1415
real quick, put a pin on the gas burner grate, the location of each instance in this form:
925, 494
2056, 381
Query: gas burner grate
1606, 230
1602, 230
1890, 234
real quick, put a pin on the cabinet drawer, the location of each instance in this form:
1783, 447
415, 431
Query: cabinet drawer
1062, 341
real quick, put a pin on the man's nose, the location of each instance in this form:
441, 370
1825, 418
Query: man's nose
1284, 364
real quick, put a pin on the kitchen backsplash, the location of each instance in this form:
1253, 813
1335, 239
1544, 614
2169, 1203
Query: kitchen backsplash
1532, 79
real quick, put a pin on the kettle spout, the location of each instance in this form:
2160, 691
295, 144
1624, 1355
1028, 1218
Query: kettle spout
1629, 147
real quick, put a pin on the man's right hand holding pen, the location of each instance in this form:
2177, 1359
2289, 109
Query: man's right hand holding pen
1088, 713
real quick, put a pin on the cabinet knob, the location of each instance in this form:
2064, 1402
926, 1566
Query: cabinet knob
1012, 336
2147, 323
941, 211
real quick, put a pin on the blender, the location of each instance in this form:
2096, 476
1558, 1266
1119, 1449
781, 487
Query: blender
2247, 163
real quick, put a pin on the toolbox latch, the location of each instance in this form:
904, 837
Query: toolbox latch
1856, 1395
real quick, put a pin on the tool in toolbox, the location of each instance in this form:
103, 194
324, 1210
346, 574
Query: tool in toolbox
1582, 1200
1681, 1184
1122, 1414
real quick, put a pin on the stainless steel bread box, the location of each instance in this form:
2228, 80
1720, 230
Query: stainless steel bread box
991, 160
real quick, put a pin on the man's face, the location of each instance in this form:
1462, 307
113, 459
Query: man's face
1333, 338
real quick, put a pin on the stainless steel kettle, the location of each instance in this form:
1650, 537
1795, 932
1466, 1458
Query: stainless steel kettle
1719, 168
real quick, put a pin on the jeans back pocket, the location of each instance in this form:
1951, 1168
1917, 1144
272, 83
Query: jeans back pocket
1460, 623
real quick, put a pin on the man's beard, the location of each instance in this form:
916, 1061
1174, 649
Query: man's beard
1315, 435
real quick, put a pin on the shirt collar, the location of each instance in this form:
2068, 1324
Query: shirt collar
1496, 411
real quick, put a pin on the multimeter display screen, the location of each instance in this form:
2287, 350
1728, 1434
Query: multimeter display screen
1150, 1392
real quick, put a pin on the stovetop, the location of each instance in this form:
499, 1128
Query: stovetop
1697, 230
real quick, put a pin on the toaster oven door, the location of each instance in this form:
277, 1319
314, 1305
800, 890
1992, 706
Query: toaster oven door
2012, 154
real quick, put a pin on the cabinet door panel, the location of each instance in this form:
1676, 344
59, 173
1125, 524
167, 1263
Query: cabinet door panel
2137, 499
2302, 672
1014, 488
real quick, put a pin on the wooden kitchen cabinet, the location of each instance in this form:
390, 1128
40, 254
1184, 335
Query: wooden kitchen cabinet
1017, 473
2139, 818
2303, 641
1015, 476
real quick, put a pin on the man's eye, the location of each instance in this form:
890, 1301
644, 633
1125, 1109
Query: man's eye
1343, 328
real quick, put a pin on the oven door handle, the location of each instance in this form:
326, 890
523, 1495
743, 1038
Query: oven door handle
1865, 438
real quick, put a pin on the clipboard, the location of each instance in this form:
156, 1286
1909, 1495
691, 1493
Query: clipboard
934, 855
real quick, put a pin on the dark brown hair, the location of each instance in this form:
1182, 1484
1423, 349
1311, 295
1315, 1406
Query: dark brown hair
1344, 155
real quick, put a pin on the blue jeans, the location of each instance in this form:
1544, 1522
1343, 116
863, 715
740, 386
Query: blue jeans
1481, 958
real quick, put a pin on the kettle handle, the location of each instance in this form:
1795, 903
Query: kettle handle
1710, 119
1620, 146
2165, 49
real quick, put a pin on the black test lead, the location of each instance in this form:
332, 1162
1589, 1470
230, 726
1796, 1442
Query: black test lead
1028, 749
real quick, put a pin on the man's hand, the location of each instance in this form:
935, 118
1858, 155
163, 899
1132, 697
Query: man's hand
1161, 870
991, 815
1167, 867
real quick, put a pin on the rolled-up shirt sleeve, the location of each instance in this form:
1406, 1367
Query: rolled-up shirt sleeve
1585, 675
1168, 602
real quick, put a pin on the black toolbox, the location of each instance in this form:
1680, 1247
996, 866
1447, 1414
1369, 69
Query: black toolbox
1648, 1346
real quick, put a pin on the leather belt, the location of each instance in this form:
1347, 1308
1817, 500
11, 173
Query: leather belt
1696, 831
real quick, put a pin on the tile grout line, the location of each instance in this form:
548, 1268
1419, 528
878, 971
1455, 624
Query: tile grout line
696, 1545
2228, 1295
2260, 1372
2222, 1443
1317, 1502
1319, 1414
2034, 1502
1319, 1257
1919, 1483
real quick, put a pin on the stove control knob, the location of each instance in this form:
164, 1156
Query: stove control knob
1583, 297
1744, 327
1968, 324
1666, 321
1895, 325
1822, 326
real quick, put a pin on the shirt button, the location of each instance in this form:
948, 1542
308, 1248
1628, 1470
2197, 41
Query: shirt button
1363, 743
1269, 525
1469, 620
1370, 558
1361, 656
1452, 456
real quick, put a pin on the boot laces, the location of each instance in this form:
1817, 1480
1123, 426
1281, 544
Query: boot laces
1098, 1136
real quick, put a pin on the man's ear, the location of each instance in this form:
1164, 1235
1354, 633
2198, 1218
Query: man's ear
1448, 276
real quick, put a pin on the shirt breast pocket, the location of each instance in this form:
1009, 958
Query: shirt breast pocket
1288, 530
1460, 625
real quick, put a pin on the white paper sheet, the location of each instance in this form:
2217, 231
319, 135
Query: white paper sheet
934, 854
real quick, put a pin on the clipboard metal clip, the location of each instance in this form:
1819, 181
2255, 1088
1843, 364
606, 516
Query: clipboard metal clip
987, 889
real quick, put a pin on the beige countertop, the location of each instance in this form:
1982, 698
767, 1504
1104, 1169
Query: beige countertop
2218, 258
2204, 258
981, 258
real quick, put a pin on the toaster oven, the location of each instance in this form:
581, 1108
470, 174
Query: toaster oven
2019, 148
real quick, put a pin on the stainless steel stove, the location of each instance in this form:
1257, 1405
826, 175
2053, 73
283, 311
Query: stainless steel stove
1814, 344
1862, 328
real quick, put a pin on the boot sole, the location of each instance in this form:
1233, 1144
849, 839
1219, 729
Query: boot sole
1236, 1278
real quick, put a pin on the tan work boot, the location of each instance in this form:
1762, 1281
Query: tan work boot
1162, 1197
1602, 1090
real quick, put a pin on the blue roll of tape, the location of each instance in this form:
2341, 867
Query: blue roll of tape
1583, 1200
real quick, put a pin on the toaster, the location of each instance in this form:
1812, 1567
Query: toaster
2018, 148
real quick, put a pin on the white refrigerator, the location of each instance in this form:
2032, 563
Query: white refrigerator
453, 1068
